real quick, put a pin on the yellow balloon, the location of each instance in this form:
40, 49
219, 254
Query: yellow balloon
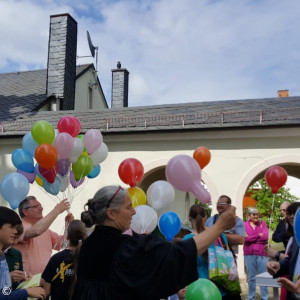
39, 180
137, 196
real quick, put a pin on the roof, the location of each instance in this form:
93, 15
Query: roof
24, 92
251, 113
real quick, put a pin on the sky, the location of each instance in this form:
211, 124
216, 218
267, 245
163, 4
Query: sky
175, 51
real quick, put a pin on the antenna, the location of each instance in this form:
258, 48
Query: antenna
92, 48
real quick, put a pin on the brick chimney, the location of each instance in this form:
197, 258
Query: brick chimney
283, 93
120, 82
61, 71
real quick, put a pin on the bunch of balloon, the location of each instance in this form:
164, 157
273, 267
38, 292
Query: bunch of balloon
184, 173
276, 178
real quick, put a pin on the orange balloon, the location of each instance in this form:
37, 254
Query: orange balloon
202, 156
46, 156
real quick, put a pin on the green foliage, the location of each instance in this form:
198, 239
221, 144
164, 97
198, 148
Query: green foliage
262, 193
207, 207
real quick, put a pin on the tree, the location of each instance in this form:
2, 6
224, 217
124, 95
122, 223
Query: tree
262, 193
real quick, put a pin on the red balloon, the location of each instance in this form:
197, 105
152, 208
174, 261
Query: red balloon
202, 156
46, 156
69, 124
49, 174
131, 171
276, 177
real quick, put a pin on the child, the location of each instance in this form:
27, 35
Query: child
8, 222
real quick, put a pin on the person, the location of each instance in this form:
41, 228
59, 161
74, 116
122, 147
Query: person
288, 267
197, 217
59, 272
115, 266
280, 235
254, 251
37, 241
8, 221
235, 235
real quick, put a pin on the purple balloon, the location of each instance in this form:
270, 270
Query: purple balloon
73, 181
63, 166
184, 173
30, 176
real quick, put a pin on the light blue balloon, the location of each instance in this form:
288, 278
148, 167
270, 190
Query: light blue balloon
95, 172
29, 144
169, 224
52, 188
14, 188
23, 160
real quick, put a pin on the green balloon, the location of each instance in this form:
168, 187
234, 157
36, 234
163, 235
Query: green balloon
82, 167
43, 132
202, 289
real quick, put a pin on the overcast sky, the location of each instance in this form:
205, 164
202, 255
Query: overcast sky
175, 50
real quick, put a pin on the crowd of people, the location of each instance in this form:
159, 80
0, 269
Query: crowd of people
105, 263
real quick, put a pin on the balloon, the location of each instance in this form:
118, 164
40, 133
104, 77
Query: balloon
39, 180
297, 226
64, 144
276, 178
52, 188
99, 155
160, 195
14, 188
169, 224
46, 155
74, 182
43, 132
184, 173
30, 176
65, 181
95, 172
23, 160
202, 156
145, 219
137, 196
82, 167
29, 144
63, 167
49, 174
131, 171
70, 125
202, 289
92, 140
77, 150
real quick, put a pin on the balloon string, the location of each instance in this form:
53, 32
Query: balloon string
270, 220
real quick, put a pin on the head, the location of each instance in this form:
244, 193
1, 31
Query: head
253, 214
197, 216
30, 209
8, 223
290, 215
223, 203
76, 232
283, 208
111, 206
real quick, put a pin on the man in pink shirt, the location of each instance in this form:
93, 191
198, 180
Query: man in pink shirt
37, 241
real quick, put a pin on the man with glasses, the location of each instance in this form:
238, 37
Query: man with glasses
37, 241
236, 235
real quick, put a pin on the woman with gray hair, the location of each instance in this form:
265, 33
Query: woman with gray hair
115, 266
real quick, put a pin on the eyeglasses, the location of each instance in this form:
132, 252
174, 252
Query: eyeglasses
222, 203
34, 206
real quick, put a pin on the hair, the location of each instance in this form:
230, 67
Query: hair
76, 232
8, 216
197, 213
252, 210
291, 210
228, 199
24, 203
20, 229
95, 208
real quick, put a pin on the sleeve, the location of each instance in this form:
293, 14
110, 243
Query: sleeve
262, 239
14, 295
240, 227
48, 272
56, 240
209, 222
280, 234
150, 262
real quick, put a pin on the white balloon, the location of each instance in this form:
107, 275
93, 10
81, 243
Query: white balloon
160, 195
144, 220
65, 181
77, 150
99, 155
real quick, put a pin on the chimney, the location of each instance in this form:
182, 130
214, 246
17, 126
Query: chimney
283, 93
119, 92
61, 70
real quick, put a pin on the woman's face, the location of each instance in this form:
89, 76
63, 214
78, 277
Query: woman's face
253, 218
291, 219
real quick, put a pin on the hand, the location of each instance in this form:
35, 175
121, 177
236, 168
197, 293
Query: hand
289, 285
228, 218
69, 218
62, 206
18, 276
273, 267
270, 251
36, 292
181, 293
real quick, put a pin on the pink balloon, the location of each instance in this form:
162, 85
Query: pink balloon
184, 173
64, 144
92, 140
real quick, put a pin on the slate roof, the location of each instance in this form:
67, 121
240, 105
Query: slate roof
266, 112
23, 92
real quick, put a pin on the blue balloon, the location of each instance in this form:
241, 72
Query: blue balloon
95, 172
297, 226
14, 188
169, 224
29, 144
23, 160
52, 188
